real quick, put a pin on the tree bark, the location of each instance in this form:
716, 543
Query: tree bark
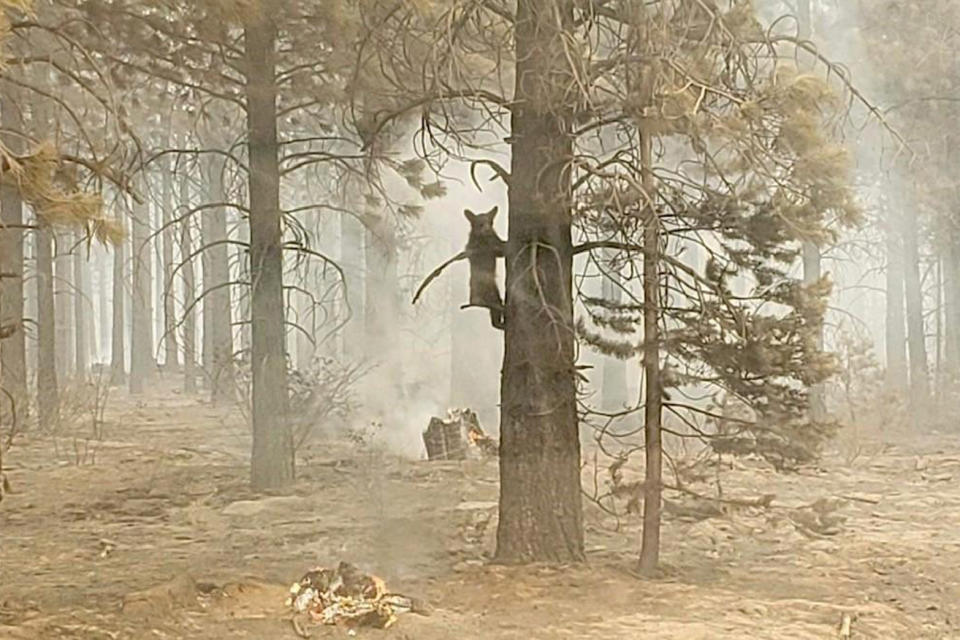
541, 515
895, 325
216, 300
951, 291
141, 335
13, 355
916, 338
103, 299
653, 393
273, 453
48, 401
171, 356
118, 323
81, 324
64, 298
189, 306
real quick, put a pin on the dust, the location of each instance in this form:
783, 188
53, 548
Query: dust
160, 537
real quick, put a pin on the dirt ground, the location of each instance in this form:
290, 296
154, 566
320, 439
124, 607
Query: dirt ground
162, 502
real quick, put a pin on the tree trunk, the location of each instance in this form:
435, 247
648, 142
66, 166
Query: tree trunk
118, 323
189, 313
13, 355
351, 258
216, 300
48, 401
916, 339
273, 454
64, 298
653, 396
896, 336
541, 516
81, 300
103, 281
951, 287
171, 356
141, 338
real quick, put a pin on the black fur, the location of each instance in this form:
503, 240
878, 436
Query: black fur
484, 246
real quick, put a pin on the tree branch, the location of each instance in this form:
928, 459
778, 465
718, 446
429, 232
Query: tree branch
436, 273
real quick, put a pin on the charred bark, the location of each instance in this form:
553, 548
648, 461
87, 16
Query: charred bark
118, 356
81, 320
653, 392
540, 504
48, 400
141, 334
63, 293
190, 314
273, 454
13, 355
216, 275
171, 355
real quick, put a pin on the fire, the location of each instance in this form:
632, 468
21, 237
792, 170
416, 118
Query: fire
346, 596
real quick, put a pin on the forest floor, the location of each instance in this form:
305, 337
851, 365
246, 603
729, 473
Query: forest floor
163, 501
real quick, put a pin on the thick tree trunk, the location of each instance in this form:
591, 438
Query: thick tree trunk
351, 258
48, 400
895, 326
171, 356
273, 454
81, 302
13, 356
916, 338
118, 323
141, 335
64, 298
541, 516
216, 300
190, 314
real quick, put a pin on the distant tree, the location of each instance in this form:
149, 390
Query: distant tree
917, 85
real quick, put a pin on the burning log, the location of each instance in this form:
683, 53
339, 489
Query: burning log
459, 436
347, 597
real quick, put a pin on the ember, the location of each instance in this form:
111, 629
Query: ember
458, 437
346, 596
